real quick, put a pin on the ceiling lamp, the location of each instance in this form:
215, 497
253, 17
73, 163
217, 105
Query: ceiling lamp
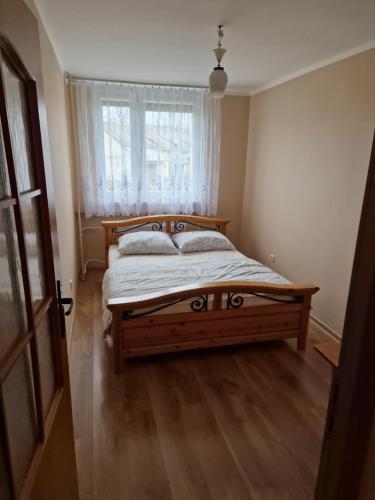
218, 78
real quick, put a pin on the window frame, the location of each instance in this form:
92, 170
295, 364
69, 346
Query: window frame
121, 104
138, 107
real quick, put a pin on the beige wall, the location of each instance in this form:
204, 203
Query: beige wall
233, 150
54, 94
234, 126
308, 155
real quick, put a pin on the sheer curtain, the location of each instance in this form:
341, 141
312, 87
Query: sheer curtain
145, 149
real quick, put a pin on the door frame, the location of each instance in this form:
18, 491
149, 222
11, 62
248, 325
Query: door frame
351, 409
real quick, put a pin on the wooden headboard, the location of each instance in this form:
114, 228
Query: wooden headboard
168, 223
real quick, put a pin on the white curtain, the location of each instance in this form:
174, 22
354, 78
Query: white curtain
145, 149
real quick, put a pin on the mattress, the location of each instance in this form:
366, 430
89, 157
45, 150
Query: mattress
134, 275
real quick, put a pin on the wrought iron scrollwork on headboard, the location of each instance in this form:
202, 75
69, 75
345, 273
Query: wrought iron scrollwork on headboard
155, 226
234, 300
198, 304
179, 226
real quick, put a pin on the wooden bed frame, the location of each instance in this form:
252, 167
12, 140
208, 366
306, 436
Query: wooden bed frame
218, 322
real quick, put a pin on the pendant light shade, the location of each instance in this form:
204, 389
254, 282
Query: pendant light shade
218, 82
218, 78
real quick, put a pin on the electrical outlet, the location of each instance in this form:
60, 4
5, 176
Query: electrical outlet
272, 258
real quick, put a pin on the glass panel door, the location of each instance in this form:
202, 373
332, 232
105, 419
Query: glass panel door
4, 177
12, 297
20, 414
30, 356
17, 119
46, 364
35, 258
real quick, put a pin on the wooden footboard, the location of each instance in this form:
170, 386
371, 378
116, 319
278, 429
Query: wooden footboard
217, 317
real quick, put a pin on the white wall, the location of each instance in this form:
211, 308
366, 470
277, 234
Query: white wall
308, 155
54, 95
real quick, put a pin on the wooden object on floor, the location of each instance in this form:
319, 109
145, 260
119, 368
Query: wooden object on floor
153, 334
330, 352
138, 332
240, 423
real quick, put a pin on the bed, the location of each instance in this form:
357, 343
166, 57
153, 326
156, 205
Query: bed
164, 303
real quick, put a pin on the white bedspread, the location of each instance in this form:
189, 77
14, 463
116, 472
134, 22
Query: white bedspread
132, 275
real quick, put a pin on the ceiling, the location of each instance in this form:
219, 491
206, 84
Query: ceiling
170, 41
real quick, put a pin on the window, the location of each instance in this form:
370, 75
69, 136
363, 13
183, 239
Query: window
117, 144
145, 150
168, 147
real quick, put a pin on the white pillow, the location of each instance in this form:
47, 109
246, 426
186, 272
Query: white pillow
146, 242
201, 241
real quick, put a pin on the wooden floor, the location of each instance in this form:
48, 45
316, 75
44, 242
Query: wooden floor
232, 423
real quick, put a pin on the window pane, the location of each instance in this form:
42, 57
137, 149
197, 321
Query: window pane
12, 299
168, 149
20, 415
46, 364
34, 249
117, 150
4, 179
17, 117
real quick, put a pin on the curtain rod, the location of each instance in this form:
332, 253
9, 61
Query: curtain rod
140, 84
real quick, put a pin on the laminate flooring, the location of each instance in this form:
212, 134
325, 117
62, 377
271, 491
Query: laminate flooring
242, 422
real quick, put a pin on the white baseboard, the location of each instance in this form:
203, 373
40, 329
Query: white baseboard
324, 328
